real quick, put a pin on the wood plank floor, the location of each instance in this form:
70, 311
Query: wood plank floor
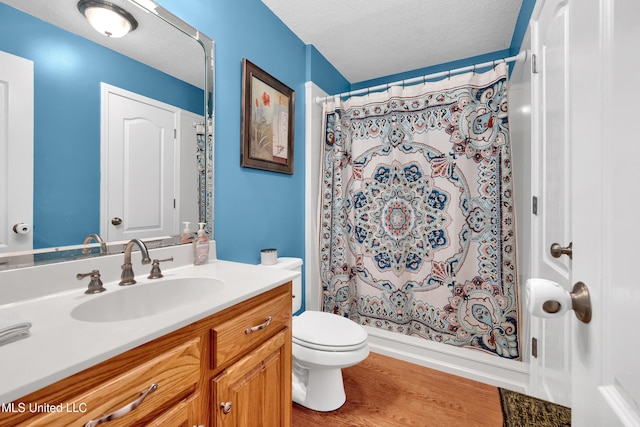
386, 392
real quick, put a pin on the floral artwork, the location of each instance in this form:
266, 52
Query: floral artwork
267, 122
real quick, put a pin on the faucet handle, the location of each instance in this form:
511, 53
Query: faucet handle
95, 285
155, 268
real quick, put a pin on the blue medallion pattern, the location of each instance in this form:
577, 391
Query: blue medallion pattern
417, 232
400, 220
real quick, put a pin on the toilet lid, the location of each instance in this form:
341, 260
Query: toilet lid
319, 330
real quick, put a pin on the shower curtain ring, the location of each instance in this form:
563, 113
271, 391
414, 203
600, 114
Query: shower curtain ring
474, 69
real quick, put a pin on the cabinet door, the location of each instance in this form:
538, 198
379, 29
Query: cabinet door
184, 414
255, 391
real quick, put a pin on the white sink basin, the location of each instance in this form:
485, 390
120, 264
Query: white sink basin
147, 299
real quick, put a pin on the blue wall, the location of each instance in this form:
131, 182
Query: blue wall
431, 70
67, 73
254, 209
257, 209
322, 73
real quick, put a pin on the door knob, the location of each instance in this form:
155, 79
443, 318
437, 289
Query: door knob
557, 251
116, 221
22, 228
581, 302
226, 407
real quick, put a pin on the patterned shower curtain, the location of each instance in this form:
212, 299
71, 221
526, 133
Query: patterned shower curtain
417, 216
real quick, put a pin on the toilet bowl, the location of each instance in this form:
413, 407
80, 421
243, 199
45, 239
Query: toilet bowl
323, 344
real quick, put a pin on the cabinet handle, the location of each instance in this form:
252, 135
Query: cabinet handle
261, 326
226, 407
124, 410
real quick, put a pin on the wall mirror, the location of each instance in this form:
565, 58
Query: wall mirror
163, 59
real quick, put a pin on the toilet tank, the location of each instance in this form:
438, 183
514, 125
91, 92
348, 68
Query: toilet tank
294, 264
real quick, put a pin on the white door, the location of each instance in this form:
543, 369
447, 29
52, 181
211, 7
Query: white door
16, 153
139, 167
551, 372
604, 68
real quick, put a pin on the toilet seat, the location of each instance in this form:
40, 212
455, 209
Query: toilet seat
327, 332
324, 344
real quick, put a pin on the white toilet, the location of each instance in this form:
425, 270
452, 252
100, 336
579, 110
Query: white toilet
323, 344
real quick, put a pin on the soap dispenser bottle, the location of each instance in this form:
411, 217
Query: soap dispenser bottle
187, 236
201, 247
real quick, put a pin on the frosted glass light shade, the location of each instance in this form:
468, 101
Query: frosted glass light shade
107, 18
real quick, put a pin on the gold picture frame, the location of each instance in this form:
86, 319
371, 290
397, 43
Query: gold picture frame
267, 121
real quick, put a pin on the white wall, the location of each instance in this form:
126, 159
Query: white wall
520, 129
313, 146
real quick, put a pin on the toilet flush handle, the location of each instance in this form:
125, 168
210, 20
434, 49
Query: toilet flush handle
260, 326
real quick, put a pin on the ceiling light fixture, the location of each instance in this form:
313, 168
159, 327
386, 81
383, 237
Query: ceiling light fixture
107, 18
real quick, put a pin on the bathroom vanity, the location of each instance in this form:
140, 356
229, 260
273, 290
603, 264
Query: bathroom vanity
221, 362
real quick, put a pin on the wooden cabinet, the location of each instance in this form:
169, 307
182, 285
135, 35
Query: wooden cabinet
247, 329
251, 391
134, 395
241, 355
184, 414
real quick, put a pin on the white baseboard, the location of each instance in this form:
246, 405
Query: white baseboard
467, 363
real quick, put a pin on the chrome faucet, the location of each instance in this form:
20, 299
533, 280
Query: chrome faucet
127, 277
98, 239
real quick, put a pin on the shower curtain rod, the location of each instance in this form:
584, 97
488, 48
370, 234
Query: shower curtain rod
522, 56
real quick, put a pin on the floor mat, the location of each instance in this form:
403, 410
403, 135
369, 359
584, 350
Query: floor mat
519, 410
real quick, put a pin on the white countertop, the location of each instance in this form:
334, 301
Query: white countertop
60, 345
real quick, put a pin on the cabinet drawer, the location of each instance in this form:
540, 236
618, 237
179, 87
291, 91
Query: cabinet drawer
175, 372
248, 329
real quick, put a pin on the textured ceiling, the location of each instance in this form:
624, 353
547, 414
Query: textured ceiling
367, 39
363, 39
154, 42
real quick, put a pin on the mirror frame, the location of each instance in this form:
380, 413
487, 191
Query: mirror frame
205, 195
206, 189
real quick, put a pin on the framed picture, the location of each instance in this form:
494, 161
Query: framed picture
267, 121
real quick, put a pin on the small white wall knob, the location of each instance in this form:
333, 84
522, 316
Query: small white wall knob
22, 228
